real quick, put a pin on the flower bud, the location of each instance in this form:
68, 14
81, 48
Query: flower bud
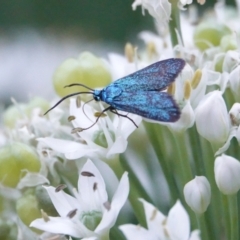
235, 83
228, 42
227, 172
44, 201
12, 114
37, 102
234, 114
14, 158
87, 69
212, 119
27, 209
197, 194
209, 34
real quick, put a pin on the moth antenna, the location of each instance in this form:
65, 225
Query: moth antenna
83, 109
68, 96
113, 110
78, 84
106, 109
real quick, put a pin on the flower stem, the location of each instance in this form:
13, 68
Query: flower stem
202, 225
174, 23
233, 207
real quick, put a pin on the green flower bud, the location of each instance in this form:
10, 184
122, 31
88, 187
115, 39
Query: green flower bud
37, 102
44, 201
100, 139
228, 42
87, 69
219, 64
8, 230
209, 34
13, 113
27, 209
14, 158
91, 219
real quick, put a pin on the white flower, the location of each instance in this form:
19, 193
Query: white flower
175, 226
160, 10
212, 119
227, 172
234, 82
197, 194
89, 213
103, 140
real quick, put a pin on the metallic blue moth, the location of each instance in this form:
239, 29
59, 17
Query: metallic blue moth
140, 92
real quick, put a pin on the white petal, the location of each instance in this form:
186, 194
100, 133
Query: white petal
155, 219
71, 149
63, 202
60, 225
92, 188
110, 216
224, 148
186, 120
195, 235
119, 146
133, 232
178, 222
31, 180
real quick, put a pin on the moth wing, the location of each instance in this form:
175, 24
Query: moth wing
157, 76
159, 106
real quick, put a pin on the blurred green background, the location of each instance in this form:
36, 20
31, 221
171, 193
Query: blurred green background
36, 36
106, 19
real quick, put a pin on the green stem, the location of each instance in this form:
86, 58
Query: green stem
233, 209
156, 136
215, 209
174, 23
133, 194
202, 225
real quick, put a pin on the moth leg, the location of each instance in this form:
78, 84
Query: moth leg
82, 129
113, 110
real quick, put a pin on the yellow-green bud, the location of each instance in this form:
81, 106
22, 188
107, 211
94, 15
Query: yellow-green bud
87, 69
44, 201
228, 42
37, 102
209, 34
14, 158
27, 209
12, 114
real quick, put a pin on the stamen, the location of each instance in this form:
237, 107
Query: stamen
171, 88
87, 174
60, 187
75, 130
154, 214
107, 205
72, 213
94, 186
78, 101
99, 114
45, 216
151, 50
129, 52
187, 90
196, 79
71, 118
